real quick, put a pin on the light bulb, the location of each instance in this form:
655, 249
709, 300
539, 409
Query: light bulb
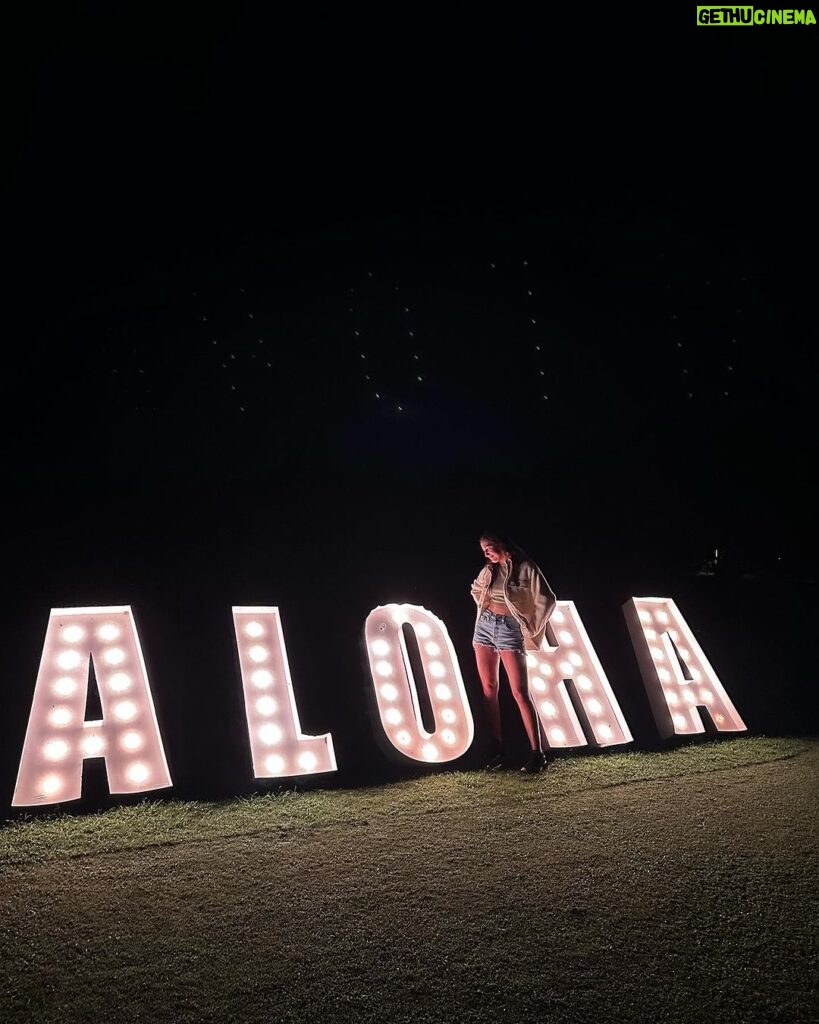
68, 659
125, 710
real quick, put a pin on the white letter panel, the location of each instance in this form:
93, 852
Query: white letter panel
58, 739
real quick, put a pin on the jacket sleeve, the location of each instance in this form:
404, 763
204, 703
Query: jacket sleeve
479, 585
544, 602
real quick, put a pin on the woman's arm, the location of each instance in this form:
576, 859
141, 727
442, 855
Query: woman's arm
480, 584
544, 600
543, 604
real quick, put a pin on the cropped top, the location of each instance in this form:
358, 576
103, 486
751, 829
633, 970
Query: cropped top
497, 595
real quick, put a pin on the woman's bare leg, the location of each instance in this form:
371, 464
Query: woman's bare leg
487, 660
515, 666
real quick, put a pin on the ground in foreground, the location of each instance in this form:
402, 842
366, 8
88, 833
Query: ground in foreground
662, 887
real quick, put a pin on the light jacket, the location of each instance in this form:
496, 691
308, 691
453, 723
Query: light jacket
528, 595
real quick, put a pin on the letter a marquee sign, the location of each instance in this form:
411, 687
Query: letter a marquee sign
678, 678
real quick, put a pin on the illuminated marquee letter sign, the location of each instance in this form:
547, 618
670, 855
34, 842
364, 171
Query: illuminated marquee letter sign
396, 689
58, 739
277, 745
678, 678
570, 657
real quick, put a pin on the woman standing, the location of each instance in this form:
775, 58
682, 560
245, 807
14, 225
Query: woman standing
514, 604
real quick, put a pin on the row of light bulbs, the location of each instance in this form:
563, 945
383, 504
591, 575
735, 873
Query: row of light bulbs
271, 733
686, 694
279, 744
56, 748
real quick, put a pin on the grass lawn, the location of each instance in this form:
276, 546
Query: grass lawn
677, 886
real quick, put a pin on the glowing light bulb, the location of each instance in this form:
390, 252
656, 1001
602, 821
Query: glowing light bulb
539, 685
671, 697
422, 629
565, 637
274, 764
545, 668
389, 692
584, 682
696, 675
657, 654
261, 678
567, 668
65, 686
393, 716
73, 634
706, 696
68, 659
651, 634
605, 731
50, 785
558, 616
594, 706
266, 706
558, 735
307, 760
449, 737
437, 669
662, 617
92, 745
575, 659
645, 616
137, 773
403, 737
689, 696
430, 752
443, 692
132, 740
254, 629
548, 709
531, 660
60, 716
680, 721
432, 649
380, 647
125, 710
119, 682
449, 716
56, 750
258, 653
383, 668
664, 675
684, 653
108, 632
675, 636
114, 656
270, 734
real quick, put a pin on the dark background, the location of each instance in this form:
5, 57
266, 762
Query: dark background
591, 238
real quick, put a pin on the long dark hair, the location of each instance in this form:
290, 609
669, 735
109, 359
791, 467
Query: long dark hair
505, 543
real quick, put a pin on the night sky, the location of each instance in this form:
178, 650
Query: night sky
301, 301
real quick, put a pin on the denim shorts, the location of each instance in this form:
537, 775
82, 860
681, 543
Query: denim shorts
499, 631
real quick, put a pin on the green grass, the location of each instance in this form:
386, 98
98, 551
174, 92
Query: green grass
663, 887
